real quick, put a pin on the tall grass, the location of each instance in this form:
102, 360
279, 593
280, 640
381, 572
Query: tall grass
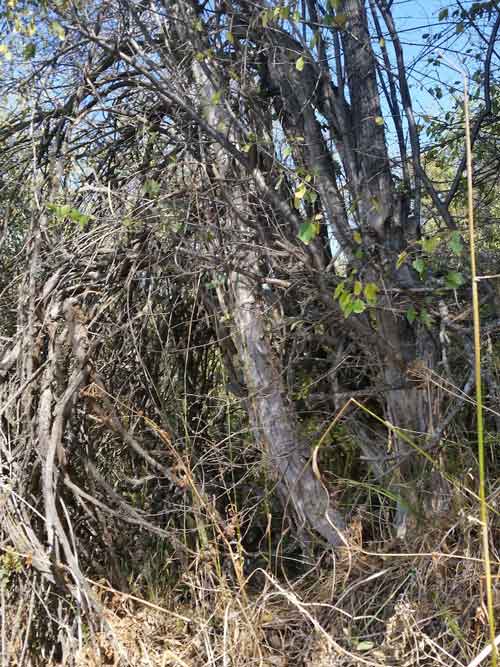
477, 372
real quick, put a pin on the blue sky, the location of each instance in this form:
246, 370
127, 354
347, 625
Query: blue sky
415, 19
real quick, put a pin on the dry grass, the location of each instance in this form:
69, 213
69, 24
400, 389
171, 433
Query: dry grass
419, 603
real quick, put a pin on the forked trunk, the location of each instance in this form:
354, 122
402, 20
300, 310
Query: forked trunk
272, 417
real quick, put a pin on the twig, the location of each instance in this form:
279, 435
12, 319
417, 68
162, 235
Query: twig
128, 596
484, 653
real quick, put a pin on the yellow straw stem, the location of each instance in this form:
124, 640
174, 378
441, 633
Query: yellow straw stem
479, 394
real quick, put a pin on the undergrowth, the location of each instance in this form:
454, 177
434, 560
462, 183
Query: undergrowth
384, 601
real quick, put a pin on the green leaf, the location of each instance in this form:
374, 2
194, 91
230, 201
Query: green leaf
430, 245
311, 196
411, 314
308, 231
344, 299
456, 244
339, 21
287, 152
358, 288
216, 97
379, 120
359, 306
57, 29
4, 52
338, 290
29, 51
347, 310
64, 212
81, 219
371, 293
230, 37
151, 187
357, 237
346, 304
365, 646
60, 211
401, 259
300, 191
419, 265
454, 279
425, 318
299, 64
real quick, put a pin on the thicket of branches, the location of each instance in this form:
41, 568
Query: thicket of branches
236, 332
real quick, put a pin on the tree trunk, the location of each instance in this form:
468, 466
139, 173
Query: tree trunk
406, 357
272, 417
274, 422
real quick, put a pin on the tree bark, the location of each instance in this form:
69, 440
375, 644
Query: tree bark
274, 421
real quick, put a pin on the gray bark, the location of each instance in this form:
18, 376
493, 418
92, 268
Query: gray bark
274, 421
273, 418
